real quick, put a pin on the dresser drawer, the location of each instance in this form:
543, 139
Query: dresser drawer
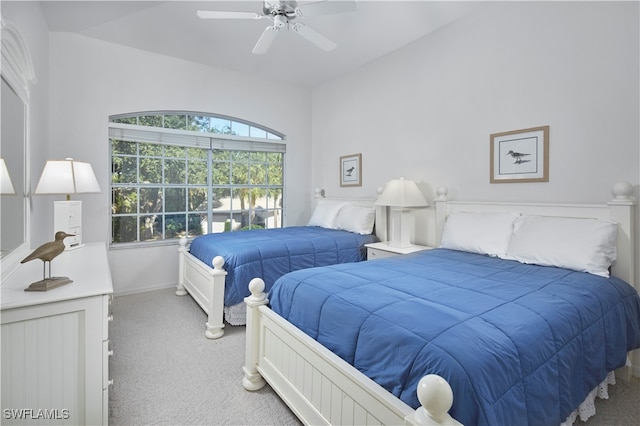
374, 253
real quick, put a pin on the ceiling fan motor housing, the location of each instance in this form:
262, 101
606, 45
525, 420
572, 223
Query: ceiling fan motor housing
286, 8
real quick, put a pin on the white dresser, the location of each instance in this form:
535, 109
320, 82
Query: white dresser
55, 344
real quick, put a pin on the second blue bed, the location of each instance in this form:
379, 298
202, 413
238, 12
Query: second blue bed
518, 343
271, 253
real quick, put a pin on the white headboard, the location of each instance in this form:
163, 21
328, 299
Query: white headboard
620, 209
380, 229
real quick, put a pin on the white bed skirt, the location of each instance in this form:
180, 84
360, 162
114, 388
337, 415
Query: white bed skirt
588, 407
236, 314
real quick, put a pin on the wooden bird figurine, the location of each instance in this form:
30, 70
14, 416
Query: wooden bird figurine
47, 252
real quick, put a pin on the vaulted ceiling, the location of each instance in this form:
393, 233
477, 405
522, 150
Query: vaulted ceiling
172, 28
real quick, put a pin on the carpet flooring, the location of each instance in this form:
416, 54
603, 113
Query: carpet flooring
166, 372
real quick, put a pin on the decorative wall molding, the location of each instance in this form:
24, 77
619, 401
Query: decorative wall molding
16, 66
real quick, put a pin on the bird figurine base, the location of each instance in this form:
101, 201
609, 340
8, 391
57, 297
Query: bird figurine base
48, 284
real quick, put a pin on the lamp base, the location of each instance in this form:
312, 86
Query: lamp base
401, 227
48, 284
400, 244
67, 217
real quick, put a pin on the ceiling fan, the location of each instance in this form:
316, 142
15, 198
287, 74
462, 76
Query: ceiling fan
283, 14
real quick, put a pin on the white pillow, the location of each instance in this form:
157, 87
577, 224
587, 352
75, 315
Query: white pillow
325, 214
586, 245
484, 233
358, 219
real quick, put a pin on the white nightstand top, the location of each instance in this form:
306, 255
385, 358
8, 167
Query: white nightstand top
399, 250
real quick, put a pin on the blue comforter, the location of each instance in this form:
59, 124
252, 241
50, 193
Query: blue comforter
518, 343
271, 253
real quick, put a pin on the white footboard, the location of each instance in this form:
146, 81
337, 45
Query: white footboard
206, 287
320, 387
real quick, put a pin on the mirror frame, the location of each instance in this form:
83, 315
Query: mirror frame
17, 71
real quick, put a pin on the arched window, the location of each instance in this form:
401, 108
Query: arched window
176, 173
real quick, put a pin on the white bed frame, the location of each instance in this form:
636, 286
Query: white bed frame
321, 388
206, 283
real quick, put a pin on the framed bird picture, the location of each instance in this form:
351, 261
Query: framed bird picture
520, 156
351, 170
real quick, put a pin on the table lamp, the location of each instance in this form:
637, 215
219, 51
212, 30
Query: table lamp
400, 195
68, 177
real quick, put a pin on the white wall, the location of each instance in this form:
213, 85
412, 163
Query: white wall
426, 111
91, 80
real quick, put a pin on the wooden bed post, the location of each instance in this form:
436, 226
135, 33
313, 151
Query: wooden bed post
623, 211
252, 380
215, 311
206, 286
441, 211
180, 291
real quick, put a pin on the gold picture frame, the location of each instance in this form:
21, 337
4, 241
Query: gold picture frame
520, 156
351, 170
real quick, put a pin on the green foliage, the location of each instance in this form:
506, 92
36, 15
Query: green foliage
248, 227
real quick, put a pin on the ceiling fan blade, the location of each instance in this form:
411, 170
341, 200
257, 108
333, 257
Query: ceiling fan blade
326, 7
215, 14
314, 37
264, 42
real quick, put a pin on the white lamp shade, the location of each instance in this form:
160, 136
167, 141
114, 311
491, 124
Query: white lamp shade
85, 179
401, 193
67, 177
6, 187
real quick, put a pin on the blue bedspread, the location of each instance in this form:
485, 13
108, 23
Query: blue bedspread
271, 253
518, 343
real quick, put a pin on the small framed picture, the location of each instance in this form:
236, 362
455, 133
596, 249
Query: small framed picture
351, 170
520, 156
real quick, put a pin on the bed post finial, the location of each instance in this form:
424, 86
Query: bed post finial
436, 397
442, 193
622, 192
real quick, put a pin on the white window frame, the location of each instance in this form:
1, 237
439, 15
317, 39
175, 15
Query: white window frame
273, 143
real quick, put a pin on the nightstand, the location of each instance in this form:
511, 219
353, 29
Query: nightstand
382, 250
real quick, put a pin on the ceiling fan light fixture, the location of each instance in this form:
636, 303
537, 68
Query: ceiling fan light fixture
280, 21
